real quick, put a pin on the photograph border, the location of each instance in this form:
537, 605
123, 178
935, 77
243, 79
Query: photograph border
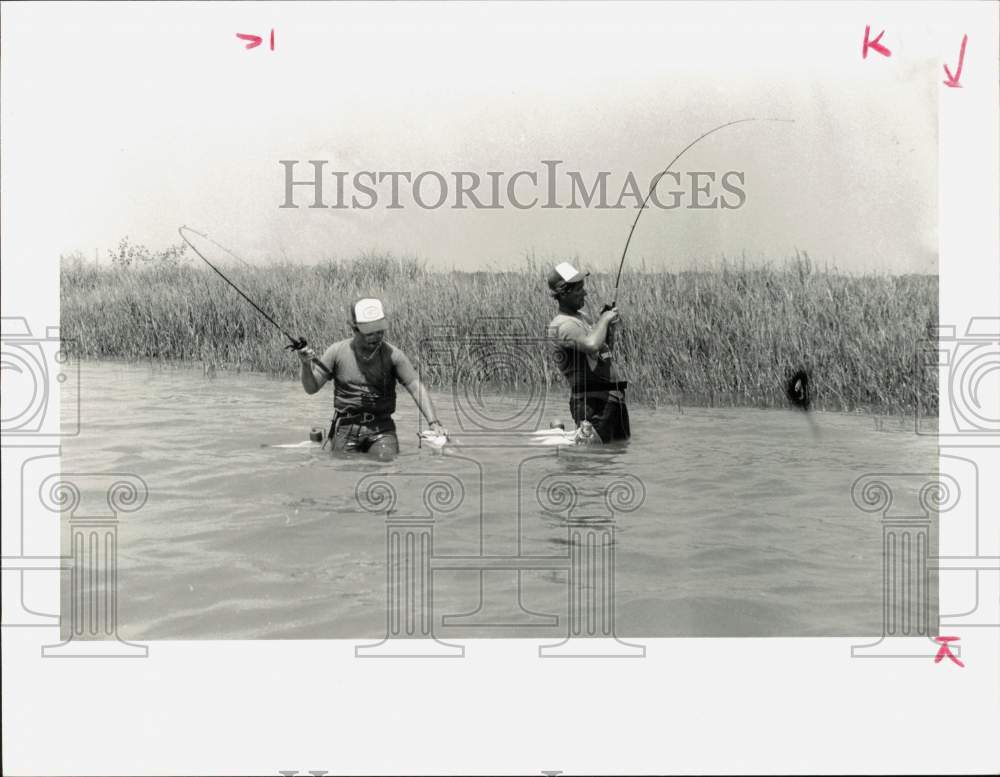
691, 705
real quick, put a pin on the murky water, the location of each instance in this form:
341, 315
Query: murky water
726, 522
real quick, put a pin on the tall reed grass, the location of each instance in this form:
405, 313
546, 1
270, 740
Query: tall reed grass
727, 335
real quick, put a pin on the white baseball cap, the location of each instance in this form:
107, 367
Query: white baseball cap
563, 274
368, 315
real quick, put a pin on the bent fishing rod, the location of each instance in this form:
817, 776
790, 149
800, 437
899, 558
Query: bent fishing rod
295, 344
655, 183
797, 388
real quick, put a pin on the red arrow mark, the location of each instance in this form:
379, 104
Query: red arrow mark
255, 40
952, 80
874, 44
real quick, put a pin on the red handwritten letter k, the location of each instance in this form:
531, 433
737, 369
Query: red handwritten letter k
945, 651
874, 44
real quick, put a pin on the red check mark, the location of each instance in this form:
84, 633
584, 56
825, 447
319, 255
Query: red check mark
952, 80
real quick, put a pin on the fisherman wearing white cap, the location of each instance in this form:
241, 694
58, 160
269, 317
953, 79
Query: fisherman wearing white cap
365, 369
583, 354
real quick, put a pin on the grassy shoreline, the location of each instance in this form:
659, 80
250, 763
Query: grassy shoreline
725, 336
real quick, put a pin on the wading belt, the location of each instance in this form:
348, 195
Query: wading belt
353, 417
590, 386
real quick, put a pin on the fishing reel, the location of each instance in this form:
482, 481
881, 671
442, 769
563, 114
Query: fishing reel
296, 345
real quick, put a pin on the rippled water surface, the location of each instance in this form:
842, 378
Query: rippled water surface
727, 522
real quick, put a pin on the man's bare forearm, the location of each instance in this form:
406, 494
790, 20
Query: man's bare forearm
598, 336
308, 378
423, 400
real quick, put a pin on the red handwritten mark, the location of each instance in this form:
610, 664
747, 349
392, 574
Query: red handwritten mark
255, 40
952, 80
945, 651
874, 44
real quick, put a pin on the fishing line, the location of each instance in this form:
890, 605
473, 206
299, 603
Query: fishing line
797, 388
217, 244
655, 183
295, 343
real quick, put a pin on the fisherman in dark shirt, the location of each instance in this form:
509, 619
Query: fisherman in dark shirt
365, 370
582, 350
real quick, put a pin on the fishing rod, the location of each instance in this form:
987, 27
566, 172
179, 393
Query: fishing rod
797, 388
295, 344
655, 183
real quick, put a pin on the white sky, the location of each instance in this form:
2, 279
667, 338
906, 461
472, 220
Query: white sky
129, 119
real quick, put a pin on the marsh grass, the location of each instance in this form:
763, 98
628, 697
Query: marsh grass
725, 335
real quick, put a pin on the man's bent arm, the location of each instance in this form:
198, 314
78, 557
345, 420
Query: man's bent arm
310, 375
592, 342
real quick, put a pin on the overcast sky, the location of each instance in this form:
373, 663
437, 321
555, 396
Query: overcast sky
132, 120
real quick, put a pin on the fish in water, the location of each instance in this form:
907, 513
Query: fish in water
433, 439
303, 444
585, 434
798, 391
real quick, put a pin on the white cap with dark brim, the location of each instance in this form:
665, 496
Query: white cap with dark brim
563, 275
368, 315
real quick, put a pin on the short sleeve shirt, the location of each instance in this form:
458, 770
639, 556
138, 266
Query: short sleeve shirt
579, 368
366, 385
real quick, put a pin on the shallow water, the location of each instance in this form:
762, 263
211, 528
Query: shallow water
746, 527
